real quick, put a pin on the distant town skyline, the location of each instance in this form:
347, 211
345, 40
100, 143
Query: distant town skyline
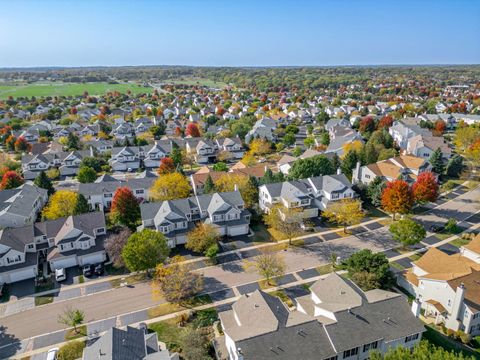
238, 33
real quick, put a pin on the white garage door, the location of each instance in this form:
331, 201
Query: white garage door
238, 230
22, 274
63, 263
91, 259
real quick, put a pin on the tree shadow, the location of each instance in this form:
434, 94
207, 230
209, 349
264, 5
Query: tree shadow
9, 343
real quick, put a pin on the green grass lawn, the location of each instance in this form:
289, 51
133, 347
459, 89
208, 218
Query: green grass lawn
43, 300
261, 233
460, 242
71, 334
67, 89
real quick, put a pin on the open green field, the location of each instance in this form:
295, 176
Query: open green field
67, 89
197, 81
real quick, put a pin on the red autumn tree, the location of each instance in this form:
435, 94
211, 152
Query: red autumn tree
385, 122
425, 189
22, 145
178, 131
125, 208
73, 110
167, 166
439, 128
10, 142
11, 180
397, 198
367, 124
193, 130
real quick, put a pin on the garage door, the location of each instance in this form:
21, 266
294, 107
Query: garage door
238, 230
91, 259
63, 263
22, 274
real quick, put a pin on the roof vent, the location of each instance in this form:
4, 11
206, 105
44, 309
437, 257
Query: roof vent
256, 305
124, 342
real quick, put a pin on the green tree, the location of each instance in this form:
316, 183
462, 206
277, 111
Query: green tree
325, 138
176, 156
144, 250
42, 181
268, 265
375, 191
72, 350
454, 166
423, 351
314, 166
86, 175
436, 161
407, 231
322, 117
96, 163
208, 186
195, 346
289, 139
369, 270
72, 318
81, 206
220, 166
349, 162
73, 142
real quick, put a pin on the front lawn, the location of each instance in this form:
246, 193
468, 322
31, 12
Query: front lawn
43, 300
169, 308
71, 334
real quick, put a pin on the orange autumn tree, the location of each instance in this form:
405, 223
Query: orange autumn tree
425, 189
167, 166
11, 180
192, 130
397, 198
22, 145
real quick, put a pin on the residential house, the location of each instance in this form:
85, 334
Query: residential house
406, 167
447, 286
99, 194
123, 131
337, 320
402, 132
309, 195
231, 145
262, 129
67, 162
65, 242
175, 218
424, 146
204, 151
21, 206
131, 344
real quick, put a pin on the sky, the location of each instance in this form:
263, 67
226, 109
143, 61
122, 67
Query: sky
238, 32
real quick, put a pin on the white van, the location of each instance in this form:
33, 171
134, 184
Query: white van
52, 354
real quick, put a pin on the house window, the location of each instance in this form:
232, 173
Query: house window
449, 302
350, 352
370, 346
30, 246
332, 358
411, 338
138, 192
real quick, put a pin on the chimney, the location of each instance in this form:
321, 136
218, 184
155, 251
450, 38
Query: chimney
458, 302
91, 152
235, 188
339, 171
416, 307
356, 176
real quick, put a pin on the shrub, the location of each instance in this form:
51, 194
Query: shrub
71, 351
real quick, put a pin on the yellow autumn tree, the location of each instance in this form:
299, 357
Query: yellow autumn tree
355, 146
169, 187
260, 147
345, 212
247, 188
64, 203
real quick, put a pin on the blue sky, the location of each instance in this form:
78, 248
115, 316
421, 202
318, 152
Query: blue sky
238, 33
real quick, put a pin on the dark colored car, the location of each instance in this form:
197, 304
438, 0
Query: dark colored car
87, 270
99, 269
437, 228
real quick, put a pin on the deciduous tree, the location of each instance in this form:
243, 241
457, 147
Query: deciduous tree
10, 180
260, 147
144, 250
202, 237
287, 221
125, 208
345, 212
407, 231
42, 181
248, 191
425, 188
397, 198
72, 318
176, 281
86, 175
314, 166
167, 166
192, 130
21, 144
268, 265
114, 245
169, 187
64, 203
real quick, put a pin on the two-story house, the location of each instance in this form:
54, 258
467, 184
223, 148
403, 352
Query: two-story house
406, 167
232, 146
309, 195
99, 194
447, 286
337, 320
262, 129
204, 151
21, 206
175, 218
64, 242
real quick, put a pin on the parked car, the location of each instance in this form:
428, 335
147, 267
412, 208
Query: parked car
60, 274
87, 270
437, 228
99, 269
52, 354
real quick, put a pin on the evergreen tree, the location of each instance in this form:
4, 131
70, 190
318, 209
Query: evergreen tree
454, 166
73, 142
42, 181
436, 161
335, 160
268, 178
369, 154
81, 206
375, 191
176, 156
349, 162
209, 186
